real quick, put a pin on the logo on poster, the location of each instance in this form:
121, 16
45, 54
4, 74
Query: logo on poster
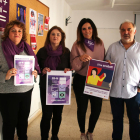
61, 95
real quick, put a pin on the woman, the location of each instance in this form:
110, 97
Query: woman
87, 46
94, 78
14, 100
53, 56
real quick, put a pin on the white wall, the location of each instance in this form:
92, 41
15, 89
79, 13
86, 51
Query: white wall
107, 23
137, 36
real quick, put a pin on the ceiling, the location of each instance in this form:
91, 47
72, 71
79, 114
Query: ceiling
106, 5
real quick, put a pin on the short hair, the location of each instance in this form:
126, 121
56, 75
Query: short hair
95, 70
11, 24
80, 37
62, 42
128, 21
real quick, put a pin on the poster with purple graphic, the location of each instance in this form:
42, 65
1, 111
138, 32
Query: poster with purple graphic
58, 91
21, 13
99, 78
24, 65
4, 12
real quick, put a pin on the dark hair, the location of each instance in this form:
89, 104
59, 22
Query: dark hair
95, 70
62, 42
10, 25
80, 37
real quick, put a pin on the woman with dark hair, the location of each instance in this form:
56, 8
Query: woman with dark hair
15, 101
53, 56
94, 78
87, 46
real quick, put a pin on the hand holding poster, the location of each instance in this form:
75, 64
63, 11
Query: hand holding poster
99, 78
58, 91
24, 65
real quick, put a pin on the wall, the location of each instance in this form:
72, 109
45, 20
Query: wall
107, 23
137, 36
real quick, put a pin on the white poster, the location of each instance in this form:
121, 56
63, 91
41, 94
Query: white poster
24, 65
33, 21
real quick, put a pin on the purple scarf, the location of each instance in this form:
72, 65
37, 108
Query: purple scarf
10, 49
53, 58
89, 44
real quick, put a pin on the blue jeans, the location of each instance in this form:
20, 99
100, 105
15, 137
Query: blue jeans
117, 107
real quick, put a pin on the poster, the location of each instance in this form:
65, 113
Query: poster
1, 31
24, 65
21, 13
99, 78
33, 19
40, 24
33, 42
4, 12
58, 91
46, 24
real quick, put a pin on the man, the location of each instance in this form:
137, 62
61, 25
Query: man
126, 54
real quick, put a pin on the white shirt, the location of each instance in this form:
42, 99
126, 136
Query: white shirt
127, 70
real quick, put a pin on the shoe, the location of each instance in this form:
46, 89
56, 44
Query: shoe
54, 138
89, 136
83, 137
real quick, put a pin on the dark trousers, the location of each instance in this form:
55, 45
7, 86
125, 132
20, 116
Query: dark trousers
117, 107
138, 101
15, 109
47, 112
82, 103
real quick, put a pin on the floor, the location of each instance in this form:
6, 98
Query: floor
69, 129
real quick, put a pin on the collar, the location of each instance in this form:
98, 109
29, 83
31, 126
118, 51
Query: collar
133, 45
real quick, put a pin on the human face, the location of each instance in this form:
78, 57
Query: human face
93, 72
87, 31
127, 32
55, 37
15, 34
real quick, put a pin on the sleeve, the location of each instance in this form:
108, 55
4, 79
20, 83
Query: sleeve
69, 59
2, 73
75, 61
101, 79
88, 81
39, 60
108, 54
2, 76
